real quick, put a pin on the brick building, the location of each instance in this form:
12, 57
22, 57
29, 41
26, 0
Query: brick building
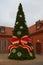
5, 37
36, 33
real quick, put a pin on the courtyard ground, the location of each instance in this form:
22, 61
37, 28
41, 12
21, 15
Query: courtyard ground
5, 61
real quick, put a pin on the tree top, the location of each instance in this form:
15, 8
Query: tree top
20, 6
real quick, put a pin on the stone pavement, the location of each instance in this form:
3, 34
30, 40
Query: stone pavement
5, 61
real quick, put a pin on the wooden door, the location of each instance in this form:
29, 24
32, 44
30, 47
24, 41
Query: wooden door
38, 48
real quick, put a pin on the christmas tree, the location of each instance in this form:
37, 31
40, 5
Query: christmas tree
21, 45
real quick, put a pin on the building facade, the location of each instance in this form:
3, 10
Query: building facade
36, 34
5, 38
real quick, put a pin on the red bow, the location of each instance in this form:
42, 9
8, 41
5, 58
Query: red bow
24, 39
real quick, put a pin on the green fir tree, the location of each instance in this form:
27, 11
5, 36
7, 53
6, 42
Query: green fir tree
20, 30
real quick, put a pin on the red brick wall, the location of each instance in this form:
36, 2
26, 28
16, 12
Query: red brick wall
5, 36
35, 38
8, 39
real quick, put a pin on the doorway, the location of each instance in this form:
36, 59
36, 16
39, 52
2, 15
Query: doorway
38, 48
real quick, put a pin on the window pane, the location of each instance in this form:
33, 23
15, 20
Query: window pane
2, 30
5, 45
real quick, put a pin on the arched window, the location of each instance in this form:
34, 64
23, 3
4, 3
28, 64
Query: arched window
5, 44
0, 44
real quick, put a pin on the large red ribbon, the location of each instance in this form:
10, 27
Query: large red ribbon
23, 40
23, 46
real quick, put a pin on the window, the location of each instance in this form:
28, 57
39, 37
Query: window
2, 30
0, 44
38, 24
5, 45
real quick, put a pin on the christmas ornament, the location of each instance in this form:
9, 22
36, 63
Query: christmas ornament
13, 50
19, 54
30, 54
20, 15
21, 27
17, 22
9, 54
19, 33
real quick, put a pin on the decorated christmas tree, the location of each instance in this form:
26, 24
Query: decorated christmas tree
21, 45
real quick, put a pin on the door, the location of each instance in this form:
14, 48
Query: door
38, 48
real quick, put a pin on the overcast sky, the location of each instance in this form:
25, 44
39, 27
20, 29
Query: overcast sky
33, 10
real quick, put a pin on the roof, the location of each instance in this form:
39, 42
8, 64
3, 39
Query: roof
41, 21
8, 31
33, 29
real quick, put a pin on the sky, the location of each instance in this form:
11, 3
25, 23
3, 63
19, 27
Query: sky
33, 10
